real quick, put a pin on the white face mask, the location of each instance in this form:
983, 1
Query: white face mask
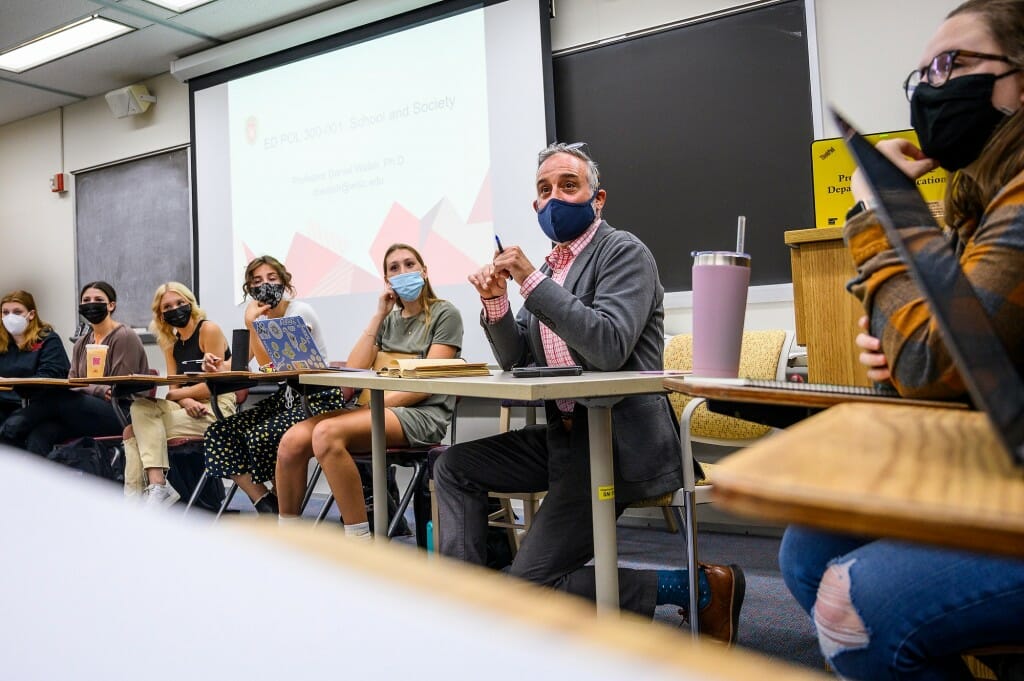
15, 324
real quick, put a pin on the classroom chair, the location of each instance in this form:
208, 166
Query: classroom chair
180, 445
504, 517
763, 354
416, 492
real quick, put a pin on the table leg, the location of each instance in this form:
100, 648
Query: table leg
379, 466
214, 401
602, 483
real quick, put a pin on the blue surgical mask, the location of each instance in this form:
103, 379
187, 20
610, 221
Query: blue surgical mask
407, 285
563, 221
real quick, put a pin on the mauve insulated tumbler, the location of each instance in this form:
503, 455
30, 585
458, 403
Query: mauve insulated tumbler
720, 282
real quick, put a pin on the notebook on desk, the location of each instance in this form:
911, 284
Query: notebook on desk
289, 343
830, 388
978, 354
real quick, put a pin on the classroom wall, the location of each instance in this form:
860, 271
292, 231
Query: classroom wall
860, 79
861, 76
38, 226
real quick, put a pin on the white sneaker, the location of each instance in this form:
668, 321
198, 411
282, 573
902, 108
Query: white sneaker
160, 495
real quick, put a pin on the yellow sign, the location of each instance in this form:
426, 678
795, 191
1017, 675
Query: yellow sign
606, 492
832, 166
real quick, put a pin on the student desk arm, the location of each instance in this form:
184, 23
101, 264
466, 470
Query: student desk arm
930, 475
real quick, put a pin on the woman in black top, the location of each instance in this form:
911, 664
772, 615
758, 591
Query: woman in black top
29, 347
185, 335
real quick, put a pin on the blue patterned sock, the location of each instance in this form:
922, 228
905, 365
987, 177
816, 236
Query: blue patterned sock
674, 588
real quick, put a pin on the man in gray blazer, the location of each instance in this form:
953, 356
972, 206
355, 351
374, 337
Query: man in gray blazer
595, 302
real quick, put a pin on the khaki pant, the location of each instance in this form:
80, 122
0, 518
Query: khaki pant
154, 422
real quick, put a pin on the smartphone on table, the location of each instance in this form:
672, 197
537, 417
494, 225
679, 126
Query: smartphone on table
539, 372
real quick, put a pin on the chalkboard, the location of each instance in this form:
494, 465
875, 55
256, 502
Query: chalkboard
695, 125
133, 229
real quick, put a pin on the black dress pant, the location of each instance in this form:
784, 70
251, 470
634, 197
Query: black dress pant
56, 417
560, 541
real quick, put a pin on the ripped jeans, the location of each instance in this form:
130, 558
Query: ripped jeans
895, 610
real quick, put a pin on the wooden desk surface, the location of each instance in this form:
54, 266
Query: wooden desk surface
791, 398
502, 385
933, 475
141, 379
259, 376
34, 381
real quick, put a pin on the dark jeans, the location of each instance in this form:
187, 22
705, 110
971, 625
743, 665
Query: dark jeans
561, 541
59, 416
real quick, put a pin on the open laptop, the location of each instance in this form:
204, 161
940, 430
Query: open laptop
289, 343
980, 357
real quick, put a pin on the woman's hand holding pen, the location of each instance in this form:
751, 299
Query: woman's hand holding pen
213, 364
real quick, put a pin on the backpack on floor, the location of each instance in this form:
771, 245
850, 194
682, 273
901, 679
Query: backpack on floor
89, 456
187, 463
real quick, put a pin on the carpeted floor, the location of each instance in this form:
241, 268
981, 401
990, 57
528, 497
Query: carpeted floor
771, 622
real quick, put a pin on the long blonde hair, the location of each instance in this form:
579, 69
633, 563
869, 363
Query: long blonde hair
164, 332
36, 329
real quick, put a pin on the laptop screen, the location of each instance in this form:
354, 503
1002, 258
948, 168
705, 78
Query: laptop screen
980, 357
289, 343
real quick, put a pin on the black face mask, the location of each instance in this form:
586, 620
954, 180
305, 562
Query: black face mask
268, 293
954, 122
94, 313
179, 316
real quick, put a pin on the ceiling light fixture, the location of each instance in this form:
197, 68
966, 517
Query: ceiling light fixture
178, 6
61, 42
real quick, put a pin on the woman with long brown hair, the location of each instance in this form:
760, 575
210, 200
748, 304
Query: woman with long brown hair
410, 319
886, 609
243, 447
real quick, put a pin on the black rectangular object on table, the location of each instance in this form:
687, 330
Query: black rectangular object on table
239, 349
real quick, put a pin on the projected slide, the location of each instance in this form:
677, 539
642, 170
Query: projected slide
334, 159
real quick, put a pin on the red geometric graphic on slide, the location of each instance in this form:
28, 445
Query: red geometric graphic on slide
318, 271
482, 209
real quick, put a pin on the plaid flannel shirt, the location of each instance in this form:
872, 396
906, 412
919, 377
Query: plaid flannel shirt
991, 253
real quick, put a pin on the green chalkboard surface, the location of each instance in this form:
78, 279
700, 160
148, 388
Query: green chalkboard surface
133, 228
695, 125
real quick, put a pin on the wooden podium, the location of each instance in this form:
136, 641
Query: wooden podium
826, 314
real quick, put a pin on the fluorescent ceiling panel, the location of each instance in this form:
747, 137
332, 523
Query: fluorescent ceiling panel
61, 42
178, 6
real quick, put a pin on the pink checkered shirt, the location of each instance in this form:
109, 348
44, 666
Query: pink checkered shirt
556, 352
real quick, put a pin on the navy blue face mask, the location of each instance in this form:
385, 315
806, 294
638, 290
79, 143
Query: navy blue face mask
562, 221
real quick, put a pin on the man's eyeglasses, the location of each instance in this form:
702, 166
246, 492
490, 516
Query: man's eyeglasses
937, 72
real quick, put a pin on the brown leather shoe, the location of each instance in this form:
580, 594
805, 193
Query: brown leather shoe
720, 618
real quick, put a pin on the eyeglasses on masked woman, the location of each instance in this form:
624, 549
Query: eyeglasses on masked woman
939, 69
